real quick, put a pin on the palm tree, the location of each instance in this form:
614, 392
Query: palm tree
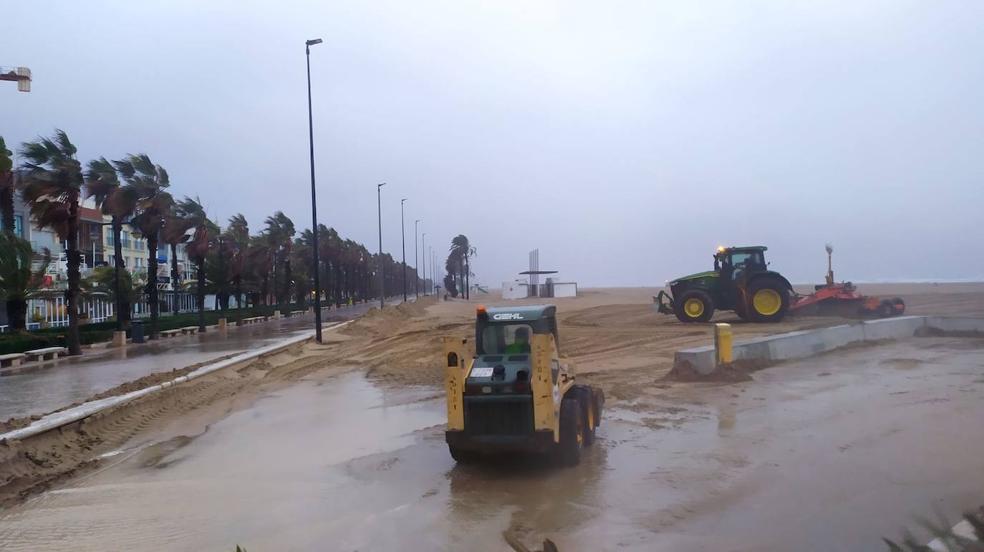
452, 266
280, 234
463, 251
118, 202
175, 233
52, 186
238, 235
259, 261
6, 188
17, 280
153, 204
193, 213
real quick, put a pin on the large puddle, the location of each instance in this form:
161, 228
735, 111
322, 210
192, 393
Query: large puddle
53, 385
827, 454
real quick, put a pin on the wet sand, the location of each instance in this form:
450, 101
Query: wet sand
826, 454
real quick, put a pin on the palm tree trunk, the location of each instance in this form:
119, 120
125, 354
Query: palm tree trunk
174, 278
74, 278
467, 279
238, 282
287, 284
152, 286
200, 267
17, 314
7, 202
264, 289
122, 306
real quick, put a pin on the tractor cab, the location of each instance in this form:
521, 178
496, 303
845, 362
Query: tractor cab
735, 260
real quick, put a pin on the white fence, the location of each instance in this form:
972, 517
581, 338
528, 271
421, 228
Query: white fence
185, 301
52, 312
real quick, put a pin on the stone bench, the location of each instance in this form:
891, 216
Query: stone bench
13, 359
298, 313
48, 353
192, 330
171, 333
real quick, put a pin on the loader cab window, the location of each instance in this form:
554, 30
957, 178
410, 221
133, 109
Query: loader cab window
505, 339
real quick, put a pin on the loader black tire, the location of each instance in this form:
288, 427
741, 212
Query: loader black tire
568, 451
885, 310
693, 305
589, 411
599, 400
463, 456
767, 300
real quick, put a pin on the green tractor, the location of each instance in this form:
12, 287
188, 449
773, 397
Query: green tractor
741, 281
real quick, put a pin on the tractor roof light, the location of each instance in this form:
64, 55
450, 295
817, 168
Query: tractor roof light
721, 249
481, 312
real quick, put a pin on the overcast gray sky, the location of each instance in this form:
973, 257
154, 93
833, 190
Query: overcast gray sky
624, 139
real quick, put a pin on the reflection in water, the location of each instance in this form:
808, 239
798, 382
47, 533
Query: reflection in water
727, 416
533, 496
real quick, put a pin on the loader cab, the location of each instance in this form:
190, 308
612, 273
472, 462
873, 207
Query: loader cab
509, 331
516, 394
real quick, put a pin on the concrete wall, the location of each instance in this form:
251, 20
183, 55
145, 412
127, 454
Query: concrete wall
956, 324
804, 343
515, 290
564, 289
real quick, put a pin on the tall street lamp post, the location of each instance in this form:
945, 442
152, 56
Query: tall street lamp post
403, 240
379, 213
416, 261
314, 203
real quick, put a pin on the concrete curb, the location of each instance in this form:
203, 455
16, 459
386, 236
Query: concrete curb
74, 414
804, 343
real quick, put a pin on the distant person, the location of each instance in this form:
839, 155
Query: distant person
521, 342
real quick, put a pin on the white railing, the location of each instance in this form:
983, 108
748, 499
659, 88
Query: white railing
52, 312
185, 301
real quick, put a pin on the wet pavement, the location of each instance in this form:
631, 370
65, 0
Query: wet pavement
830, 453
53, 385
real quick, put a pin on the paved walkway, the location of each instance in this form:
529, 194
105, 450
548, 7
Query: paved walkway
54, 385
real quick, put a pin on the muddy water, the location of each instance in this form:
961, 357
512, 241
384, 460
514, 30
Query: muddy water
827, 454
66, 381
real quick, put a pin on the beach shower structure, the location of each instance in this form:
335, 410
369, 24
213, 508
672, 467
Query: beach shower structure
20, 75
531, 286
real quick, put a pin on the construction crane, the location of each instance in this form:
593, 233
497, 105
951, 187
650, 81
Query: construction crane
20, 75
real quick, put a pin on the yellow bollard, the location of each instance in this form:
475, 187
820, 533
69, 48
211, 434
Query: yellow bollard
723, 344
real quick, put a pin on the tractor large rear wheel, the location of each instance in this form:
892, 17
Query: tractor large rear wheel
693, 305
768, 300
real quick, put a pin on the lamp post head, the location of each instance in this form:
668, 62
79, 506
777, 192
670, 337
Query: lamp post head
380, 185
312, 42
